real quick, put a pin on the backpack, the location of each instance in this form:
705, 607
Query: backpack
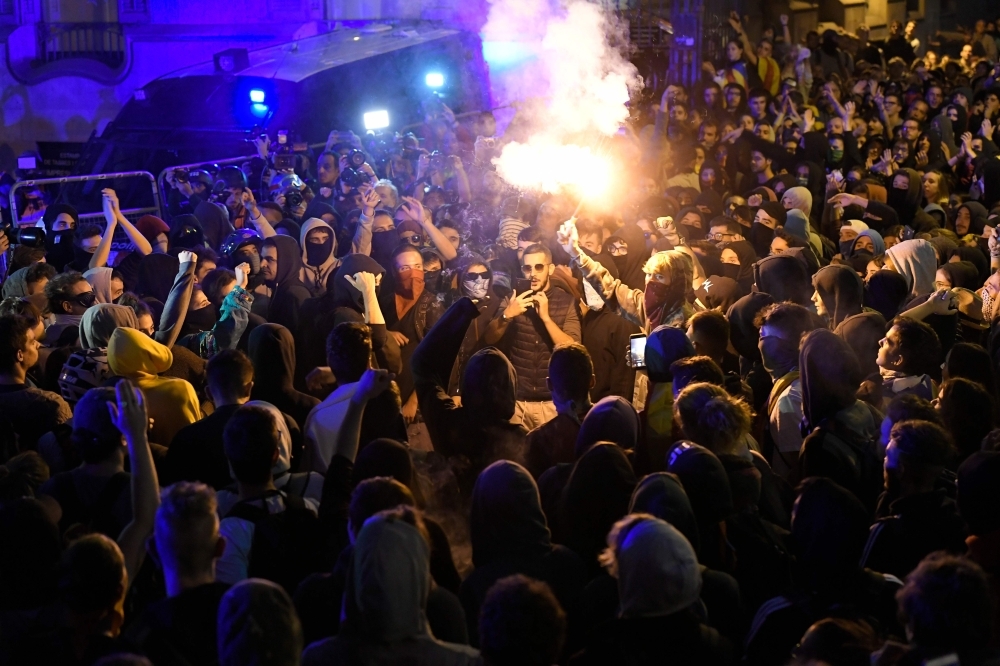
287, 546
865, 477
767, 444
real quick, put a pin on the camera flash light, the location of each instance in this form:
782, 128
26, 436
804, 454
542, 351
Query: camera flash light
434, 79
257, 96
376, 120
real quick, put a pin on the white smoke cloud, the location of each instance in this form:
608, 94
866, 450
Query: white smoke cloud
574, 92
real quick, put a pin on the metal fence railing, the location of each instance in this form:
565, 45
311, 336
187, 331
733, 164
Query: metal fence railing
103, 42
155, 209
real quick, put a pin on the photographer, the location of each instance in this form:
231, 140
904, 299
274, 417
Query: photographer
188, 189
293, 196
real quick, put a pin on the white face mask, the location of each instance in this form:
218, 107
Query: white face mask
477, 288
593, 299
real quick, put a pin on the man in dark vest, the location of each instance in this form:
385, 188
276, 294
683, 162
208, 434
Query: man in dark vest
530, 325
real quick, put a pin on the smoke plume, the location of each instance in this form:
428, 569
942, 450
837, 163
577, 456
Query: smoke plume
572, 94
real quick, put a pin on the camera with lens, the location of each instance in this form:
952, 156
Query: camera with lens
182, 175
256, 132
356, 158
293, 199
437, 160
354, 177
27, 236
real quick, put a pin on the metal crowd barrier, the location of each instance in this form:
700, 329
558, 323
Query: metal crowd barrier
132, 213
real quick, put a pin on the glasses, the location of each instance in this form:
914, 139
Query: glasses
538, 268
720, 236
414, 238
616, 250
86, 299
470, 276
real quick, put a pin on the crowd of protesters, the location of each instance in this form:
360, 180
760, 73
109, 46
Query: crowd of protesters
381, 408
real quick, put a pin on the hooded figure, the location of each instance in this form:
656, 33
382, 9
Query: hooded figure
59, 244
718, 293
480, 428
762, 235
962, 274
340, 302
978, 216
100, 281
597, 494
744, 335
974, 256
878, 244
885, 292
156, 276
688, 230
16, 284
187, 232
318, 259
100, 322
797, 224
630, 265
863, 333
509, 535
784, 277
906, 202
841, 291
816, 184
707, 487
289, 293
612, 419
841, 444
215, 223
658, 572
384, 617
829, 530
257, 625
916, 261
172, 403
272, 352
710, 199
743, 274
151, 227
662, 495
798, 198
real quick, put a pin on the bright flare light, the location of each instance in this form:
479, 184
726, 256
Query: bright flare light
551, 167
376, 120
259, 110
434, 80
257, 96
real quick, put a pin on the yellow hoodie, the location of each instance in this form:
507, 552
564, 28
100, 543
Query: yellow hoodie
172, 403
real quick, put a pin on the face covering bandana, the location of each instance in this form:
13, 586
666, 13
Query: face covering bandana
803, 181
383, 243
730, 271
779, 356
621, 261
836, 156
432, 281
251, 258
199, 320
317, 253
659, 301
846, 247
593, 299
476, 289
409, 284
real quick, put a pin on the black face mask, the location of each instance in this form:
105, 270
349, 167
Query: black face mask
621, 261
383, 243
81, 258
59, 248
730, 271
252, 258
317, 253
432, 281
196, 321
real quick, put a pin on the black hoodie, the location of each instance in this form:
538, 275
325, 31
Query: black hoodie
289, 293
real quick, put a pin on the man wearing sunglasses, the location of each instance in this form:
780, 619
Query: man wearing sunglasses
69, 296
531, 324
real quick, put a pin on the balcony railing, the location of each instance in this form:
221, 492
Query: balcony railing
101, 42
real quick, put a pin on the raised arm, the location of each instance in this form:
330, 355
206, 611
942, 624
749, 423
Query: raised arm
100, 256
142, 245
178, 301
362, 241
228, 330
257, 218
415, 211
748, 50
130, 417
461, 179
